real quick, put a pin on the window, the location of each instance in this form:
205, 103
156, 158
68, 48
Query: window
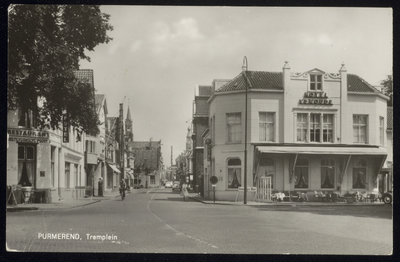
359, 174
27, 118
301, 174
327, 173
52, 159
26, 165
234, 126
381, 130
90, 146
302, 127
316, 82
67, 170
360, 128
152, 180
267, 126
234, 173
315, 127
327, 128
76, 175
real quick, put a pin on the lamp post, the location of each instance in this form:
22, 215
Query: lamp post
244, 68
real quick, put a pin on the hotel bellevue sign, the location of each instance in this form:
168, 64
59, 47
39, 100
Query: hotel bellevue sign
23, 135
315, 98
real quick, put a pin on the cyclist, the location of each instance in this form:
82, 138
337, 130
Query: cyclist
122, 188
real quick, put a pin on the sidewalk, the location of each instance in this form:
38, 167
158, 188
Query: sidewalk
65, 204
203, 200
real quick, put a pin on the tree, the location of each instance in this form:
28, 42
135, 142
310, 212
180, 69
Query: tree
388, 88
46, 43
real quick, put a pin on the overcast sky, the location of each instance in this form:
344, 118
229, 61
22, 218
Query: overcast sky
158, 55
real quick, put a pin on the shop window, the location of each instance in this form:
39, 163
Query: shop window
327, 128
315, 127
67, 174
316, 82
359, 174
234, 127
302, 124
381, 131
234, 173
26, 164
327, 173
360, 123
266, 126
301, 174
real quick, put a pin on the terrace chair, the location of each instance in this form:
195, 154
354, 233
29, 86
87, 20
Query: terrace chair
295, 196
317, 197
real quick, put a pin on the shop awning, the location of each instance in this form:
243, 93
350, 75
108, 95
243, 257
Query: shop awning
113, 167
376, 151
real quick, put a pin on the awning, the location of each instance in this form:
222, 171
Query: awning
376, 151
113, 167
130, 174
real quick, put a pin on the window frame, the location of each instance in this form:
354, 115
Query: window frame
308, 173
304, 124
381, 130
360, 164
231, 126
359, 127
265, 126
325, 166
315, 132
67, 173
234, 167
316, 82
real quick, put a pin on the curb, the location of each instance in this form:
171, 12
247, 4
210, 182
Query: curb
208, 202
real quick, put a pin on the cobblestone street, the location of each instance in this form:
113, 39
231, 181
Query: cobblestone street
158, 221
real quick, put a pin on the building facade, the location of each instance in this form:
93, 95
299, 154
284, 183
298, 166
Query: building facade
306, 132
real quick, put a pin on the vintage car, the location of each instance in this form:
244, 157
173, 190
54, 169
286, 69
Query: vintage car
387, 197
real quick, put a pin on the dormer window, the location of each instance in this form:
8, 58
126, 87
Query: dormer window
315, 82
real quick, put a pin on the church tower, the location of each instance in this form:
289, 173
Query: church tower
128, 127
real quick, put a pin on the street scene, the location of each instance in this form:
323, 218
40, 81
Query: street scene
159, 221
201, 130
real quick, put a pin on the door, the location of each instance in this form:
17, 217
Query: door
264, 190
26, 165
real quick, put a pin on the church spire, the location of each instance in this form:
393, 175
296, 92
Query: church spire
128, 115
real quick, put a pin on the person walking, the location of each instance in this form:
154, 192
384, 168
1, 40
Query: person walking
185, 192
122, 188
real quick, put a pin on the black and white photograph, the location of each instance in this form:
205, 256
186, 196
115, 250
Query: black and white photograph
239, 130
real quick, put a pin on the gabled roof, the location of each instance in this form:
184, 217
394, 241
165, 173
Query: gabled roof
85, 75
357, 84
389, 118
128, 115
99, 98
257, 80
274, 81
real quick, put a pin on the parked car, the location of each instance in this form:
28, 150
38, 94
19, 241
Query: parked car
168, 184
176, 186
387, 197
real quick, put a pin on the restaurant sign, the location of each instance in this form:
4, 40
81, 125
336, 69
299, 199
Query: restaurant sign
315, 98
23, 135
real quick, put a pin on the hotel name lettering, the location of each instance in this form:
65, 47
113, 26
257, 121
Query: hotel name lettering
27, 135
315, 98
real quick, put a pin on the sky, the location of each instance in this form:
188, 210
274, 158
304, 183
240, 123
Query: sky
160, 54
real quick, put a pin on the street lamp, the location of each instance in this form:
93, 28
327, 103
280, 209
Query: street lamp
244, 68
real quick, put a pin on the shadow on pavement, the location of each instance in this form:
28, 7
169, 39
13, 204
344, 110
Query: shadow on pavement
382, 211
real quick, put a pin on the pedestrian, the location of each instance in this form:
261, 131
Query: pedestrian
122, 188
185, 192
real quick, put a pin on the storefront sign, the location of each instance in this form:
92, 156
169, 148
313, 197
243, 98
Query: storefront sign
315, 98
208, 153
21, 135
65, 132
